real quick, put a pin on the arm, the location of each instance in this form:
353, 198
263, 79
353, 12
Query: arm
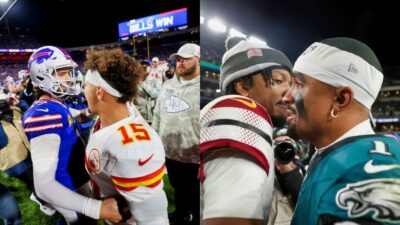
156, 116
154, 92
226, 189
290, 179
17, 89
44, 151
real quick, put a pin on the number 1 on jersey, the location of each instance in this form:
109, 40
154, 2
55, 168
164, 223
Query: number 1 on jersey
380, 148
139, 133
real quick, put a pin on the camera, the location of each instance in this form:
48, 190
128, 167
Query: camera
169, 74
285, 152
5, 104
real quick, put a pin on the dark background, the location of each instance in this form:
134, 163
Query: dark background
71, 23
291, 26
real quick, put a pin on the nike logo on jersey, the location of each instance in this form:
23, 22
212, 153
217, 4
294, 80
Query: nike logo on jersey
371, 168
141, 163
43, 110
251, 103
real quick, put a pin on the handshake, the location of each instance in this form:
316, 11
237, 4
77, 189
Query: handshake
115, 209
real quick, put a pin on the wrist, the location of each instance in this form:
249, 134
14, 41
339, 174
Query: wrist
92, 208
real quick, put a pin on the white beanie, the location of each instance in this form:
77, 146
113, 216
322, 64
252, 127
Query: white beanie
341, 62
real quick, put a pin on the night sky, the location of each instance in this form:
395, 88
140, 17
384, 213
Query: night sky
291, 26
72, 23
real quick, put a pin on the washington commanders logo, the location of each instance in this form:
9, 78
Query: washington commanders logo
93, 161
380, 197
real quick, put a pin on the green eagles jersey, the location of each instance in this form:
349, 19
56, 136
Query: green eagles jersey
357, 179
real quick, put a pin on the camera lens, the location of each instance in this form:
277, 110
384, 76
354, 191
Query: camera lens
284, 152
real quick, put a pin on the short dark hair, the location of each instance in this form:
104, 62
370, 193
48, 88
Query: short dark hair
248, 79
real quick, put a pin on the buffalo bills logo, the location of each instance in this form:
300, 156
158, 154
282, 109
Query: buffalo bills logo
67, 56
41, 56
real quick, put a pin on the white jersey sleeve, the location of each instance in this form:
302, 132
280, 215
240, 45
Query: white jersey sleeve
45, 158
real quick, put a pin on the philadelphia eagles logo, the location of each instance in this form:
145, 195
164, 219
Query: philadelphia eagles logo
381, 197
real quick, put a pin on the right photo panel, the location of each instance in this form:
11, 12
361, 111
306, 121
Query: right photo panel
300, 109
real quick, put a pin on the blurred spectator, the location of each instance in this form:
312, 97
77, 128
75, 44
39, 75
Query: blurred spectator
148, 93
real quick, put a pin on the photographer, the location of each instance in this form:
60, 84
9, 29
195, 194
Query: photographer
14, 148
24, 89
289, 177
170, 73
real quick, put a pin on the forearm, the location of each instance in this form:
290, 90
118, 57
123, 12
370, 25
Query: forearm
44, 150
292, 181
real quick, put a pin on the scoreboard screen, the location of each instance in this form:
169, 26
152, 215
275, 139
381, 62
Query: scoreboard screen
153, 23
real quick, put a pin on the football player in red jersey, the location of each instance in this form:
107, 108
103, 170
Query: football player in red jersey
237, 167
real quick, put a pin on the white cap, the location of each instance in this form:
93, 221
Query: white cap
188, 50
155, 59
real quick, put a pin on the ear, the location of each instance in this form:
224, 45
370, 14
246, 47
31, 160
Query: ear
344, 96
99, 93
241, 88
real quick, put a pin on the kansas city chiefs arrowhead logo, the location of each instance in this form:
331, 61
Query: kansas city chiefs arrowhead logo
175, 104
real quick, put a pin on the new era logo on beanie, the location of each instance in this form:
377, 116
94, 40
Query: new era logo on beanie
244, 57
341, 62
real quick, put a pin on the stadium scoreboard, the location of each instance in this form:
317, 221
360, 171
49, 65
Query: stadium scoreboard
153, 23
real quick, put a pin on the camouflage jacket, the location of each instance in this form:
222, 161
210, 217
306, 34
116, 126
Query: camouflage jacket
176, 119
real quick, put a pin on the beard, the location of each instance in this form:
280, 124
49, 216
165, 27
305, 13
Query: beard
278, 121
184, 72
292, 132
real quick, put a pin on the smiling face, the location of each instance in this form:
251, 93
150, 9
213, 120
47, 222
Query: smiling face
270, 96
309, 105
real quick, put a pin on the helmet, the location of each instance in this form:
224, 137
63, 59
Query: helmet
43, 65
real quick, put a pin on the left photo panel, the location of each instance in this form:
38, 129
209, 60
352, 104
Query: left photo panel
99, 112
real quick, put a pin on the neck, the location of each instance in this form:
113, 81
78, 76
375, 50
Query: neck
338, 127
48, 97
113, 113
189, 77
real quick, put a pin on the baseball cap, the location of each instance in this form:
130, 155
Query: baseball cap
145, 62
155, 59
188, 50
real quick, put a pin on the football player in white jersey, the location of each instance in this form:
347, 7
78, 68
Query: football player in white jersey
124, 156
237, 161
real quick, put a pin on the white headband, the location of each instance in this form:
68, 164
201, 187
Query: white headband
94, 78
340, 68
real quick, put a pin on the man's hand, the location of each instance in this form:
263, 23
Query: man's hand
109, 210
285, 168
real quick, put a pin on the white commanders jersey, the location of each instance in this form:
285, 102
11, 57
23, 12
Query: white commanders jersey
126, 158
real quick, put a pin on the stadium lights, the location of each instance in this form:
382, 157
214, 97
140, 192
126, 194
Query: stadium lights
201, 20
255, 39
216, 25
235, 33
3, 1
